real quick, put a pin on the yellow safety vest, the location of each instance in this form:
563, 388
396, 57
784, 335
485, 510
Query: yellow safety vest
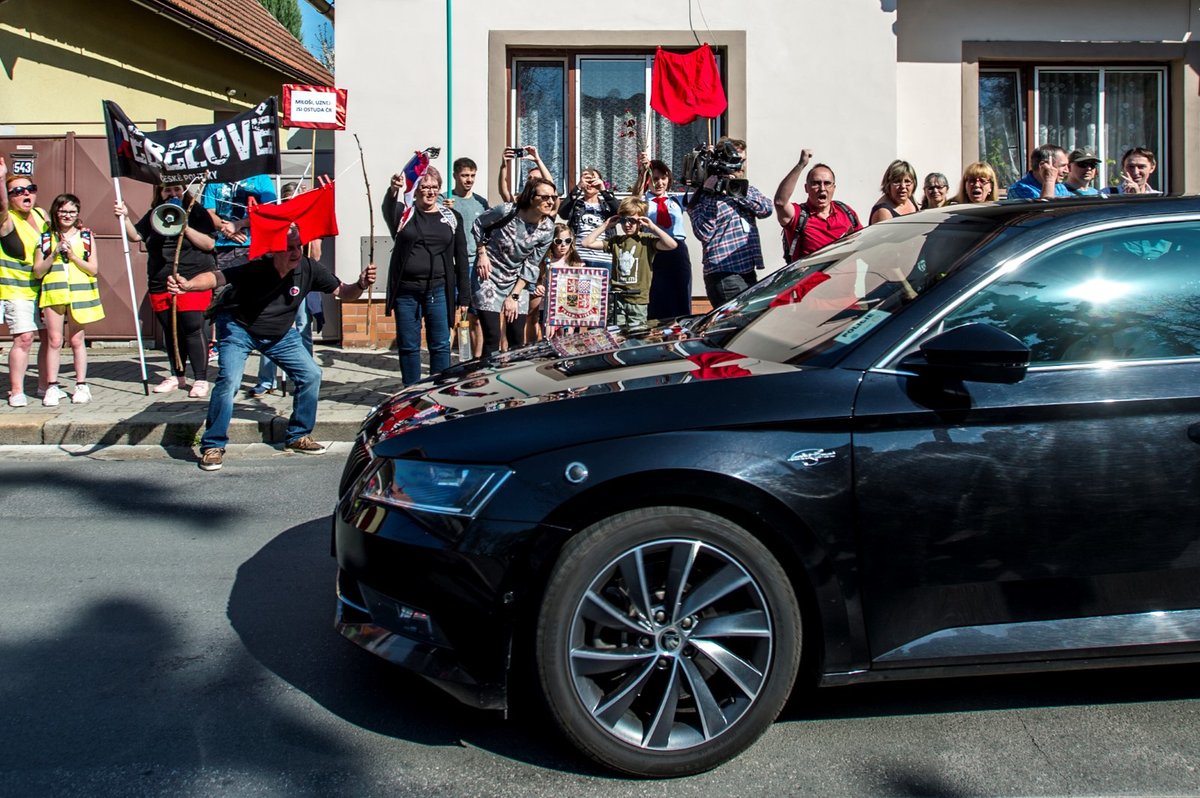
67, 284
16, 276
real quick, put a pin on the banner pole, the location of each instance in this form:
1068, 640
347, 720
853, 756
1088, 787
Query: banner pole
137, 322
449, 92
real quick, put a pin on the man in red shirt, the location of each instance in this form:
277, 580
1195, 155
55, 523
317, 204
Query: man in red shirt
821, 220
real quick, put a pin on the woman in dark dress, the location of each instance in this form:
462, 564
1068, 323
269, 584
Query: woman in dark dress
899, 183
195, 257
427, 278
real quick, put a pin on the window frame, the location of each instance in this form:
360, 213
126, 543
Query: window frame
1027, 71
572, 58
889, 362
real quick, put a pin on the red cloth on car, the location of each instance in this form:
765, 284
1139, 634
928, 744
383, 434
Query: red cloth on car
686, 85
312, 212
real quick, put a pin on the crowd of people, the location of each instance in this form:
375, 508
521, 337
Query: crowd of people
457, 263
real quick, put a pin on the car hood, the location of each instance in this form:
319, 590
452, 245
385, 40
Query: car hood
592, 386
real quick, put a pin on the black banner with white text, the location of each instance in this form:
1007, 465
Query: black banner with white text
246, 145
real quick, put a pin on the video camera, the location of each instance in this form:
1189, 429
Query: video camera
721, 161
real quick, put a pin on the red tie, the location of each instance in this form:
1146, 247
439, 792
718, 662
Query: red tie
662, 216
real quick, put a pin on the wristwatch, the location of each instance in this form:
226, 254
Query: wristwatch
516, 296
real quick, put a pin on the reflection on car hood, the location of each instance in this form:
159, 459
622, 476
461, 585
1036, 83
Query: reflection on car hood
540, 374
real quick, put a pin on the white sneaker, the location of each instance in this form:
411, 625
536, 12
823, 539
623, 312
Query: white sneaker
18, 400
53, 396
166, 386
82, 395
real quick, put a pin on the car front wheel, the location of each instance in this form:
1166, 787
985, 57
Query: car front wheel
668, 641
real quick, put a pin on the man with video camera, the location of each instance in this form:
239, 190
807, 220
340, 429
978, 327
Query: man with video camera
724, 214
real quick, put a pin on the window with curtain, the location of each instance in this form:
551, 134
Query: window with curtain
1104, 109
540, 93
611, 121
1001, 124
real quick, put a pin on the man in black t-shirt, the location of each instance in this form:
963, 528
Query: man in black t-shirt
257, 313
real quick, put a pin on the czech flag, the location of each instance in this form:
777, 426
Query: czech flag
413, 170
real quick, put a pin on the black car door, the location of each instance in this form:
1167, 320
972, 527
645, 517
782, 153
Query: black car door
1058, 516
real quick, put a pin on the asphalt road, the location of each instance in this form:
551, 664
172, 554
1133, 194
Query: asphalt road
169, 632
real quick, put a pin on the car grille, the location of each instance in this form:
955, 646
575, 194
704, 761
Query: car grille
356, 464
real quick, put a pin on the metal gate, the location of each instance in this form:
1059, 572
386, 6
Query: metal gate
79, 165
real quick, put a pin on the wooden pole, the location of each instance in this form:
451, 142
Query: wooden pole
370, 240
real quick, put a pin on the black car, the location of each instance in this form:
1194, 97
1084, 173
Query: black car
960, 442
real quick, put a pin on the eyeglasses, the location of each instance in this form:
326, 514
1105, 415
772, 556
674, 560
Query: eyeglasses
65, 212
983, 181
546, 197
932, 187
629, 220
434, 189
1087, 166
563, 242
19, 190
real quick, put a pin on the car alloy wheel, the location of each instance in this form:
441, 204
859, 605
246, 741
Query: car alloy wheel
668, 640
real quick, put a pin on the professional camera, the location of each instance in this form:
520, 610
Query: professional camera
721, 161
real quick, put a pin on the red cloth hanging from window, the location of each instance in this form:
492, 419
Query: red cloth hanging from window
686, 85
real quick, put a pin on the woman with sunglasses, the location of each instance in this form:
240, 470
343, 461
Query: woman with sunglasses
978, 184
196, 256
937, 191
562, 252
427, 278
510, 241
20, 217
67, 267
587, 207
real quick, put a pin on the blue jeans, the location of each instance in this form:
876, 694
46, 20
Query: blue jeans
267, 367
235, 344
411, 307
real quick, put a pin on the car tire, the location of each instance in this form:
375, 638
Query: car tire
667, 642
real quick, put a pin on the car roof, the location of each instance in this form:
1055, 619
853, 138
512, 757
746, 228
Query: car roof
1077, 209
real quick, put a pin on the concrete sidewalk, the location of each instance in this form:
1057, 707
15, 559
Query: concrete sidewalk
121, 413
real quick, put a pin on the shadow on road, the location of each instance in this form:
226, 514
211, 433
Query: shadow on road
282, 607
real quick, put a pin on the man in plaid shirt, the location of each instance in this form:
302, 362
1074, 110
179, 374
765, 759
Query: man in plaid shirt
726, 227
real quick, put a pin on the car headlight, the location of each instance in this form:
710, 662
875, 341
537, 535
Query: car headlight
441, 488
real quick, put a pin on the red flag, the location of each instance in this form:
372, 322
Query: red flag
684, 86
312, 212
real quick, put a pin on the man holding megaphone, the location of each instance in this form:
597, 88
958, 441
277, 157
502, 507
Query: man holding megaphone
160, 230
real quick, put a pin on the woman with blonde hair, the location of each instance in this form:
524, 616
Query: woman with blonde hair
978, 184
67, 267
899, 183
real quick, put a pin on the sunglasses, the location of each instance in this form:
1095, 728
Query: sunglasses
19, 190
562, 242
545, 197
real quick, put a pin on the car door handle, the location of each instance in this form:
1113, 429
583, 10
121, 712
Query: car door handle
1194, 433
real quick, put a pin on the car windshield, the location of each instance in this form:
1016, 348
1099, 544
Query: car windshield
811, 311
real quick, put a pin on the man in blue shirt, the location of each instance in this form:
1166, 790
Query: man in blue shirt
1082, 172
229, 206
1048, 169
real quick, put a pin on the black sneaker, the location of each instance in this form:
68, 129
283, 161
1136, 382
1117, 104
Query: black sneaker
212, 459
305, 445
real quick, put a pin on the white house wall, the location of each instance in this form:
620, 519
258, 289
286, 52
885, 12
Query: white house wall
935, 127
816, 74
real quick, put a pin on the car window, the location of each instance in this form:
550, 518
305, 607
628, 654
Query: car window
1127, 294
812, 311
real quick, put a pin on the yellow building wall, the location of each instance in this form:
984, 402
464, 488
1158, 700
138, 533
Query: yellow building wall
60, 59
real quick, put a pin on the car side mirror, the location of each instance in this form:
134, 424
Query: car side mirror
973, 352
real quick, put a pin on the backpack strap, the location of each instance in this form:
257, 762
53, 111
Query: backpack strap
501, 222
791, 238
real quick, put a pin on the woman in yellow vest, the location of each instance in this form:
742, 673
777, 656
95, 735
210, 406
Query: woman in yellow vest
18, 288
67, 267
